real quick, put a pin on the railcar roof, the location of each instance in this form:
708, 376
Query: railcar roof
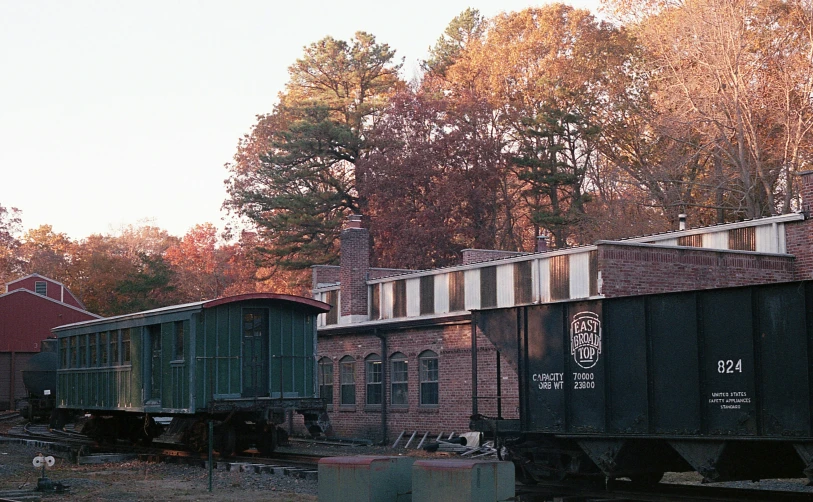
299, 300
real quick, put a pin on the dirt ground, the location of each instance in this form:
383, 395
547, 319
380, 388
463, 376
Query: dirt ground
145, 481
141, 481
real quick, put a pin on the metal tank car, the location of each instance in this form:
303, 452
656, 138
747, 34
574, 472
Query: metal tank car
39, 379
714, 381
246, 362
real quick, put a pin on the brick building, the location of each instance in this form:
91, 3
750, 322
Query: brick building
29, 308
396, 354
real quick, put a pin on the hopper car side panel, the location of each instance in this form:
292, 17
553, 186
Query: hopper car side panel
707, 377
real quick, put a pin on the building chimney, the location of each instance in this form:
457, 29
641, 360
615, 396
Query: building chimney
354, 266
541, 243
682, 221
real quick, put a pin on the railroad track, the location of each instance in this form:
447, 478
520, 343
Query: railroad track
661, 492
9, 415
85, 450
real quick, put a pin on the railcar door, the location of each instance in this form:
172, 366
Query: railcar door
154, 363
255, 352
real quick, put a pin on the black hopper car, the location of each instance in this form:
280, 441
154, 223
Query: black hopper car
39, 379
245, 362
714, 381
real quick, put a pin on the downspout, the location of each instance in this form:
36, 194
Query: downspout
384, 366
474, 410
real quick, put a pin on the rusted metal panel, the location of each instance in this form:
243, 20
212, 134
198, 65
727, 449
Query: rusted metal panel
742, 239
375, 302
332, 299
488, 287
523, 282
695, 241
399, 299
457, 291
559, 277
427, 295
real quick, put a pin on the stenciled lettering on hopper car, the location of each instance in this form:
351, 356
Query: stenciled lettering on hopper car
585, 339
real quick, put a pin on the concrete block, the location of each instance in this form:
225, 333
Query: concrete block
365, 479
464, 480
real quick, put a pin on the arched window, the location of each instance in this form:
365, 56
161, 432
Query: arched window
326, 380
347, 379
428, 376
399, 377
372, 367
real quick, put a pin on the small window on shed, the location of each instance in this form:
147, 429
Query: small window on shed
347, 377
428, 375
125, 345
177, 352
372, 365
41, 288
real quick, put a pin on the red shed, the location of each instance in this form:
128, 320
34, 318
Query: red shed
45, 287
26, 318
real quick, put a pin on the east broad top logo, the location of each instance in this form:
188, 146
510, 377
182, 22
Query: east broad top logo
585, 339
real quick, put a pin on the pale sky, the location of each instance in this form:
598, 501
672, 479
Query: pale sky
113, 112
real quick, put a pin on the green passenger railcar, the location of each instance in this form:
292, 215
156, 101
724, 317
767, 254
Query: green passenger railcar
243, 361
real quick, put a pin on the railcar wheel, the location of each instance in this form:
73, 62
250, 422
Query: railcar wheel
228, 441
268, 441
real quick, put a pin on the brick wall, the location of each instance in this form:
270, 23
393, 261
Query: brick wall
632, 269
799, 235
324, 274
355, 263
452, 344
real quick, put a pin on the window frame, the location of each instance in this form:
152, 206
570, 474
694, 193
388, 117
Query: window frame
126, 344
323, 364
399, 380
347, 381
115, 349
429, 379
178, 341
373, 381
